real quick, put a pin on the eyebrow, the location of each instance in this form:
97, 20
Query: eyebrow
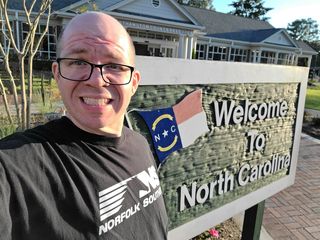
113, 56
77, 51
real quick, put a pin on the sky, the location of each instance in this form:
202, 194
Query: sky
284, 11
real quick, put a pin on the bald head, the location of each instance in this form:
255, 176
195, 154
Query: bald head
97, 25
95, 104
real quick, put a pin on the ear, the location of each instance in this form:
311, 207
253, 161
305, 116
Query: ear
55, 71
135, 81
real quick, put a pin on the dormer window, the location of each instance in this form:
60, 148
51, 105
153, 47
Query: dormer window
155, 3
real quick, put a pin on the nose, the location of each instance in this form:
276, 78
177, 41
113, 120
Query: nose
96, 78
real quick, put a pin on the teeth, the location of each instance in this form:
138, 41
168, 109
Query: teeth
95, 101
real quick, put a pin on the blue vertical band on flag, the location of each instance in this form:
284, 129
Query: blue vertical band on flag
164, 131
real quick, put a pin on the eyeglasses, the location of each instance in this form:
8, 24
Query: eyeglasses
80, 70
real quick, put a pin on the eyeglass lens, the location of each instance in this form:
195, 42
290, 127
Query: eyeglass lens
79, 70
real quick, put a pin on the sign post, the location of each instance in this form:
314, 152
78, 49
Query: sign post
226, 134
253, 221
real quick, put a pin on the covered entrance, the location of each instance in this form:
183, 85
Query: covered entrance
141, 49
149, 43
156, 50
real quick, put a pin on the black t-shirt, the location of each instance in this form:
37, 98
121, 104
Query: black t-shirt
59, 182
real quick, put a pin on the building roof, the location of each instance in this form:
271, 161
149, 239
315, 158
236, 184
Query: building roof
217, 25
228, 26
56, 5
105, 4
305, 47
169, 11
216, 22
247, 35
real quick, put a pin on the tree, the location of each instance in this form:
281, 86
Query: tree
90, 5
197, 3
315, 63
250, 9
25, 52
304, 30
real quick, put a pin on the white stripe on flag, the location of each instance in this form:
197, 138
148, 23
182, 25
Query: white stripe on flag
193, 128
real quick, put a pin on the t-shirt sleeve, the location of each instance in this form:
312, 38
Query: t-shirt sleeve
148, 151
5, 220
150, 155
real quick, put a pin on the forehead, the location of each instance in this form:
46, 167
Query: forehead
95, 31
84, 45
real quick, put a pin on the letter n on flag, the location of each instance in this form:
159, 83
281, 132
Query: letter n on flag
178, 126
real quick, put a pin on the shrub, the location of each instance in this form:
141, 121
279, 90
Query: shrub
316, 122
42, 65
6, 130
307, 117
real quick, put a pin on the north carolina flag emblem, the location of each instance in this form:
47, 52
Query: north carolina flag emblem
176, 127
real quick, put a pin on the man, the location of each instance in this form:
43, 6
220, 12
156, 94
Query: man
84, 176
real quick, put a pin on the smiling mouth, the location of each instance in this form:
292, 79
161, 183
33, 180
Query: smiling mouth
96, 101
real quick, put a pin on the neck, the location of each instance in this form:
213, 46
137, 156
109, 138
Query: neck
104, 131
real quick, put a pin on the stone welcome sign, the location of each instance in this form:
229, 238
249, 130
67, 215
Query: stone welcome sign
253, 115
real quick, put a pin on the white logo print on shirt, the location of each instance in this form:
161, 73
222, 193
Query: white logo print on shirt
110, 199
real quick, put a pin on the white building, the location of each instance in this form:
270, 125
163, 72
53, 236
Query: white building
165, 28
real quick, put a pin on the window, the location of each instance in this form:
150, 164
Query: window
303, 61
47, 48
142, 34
152, 35
166, 52
5, 33
201, 51
268, 57
167, 37
238, 55
283, 59
133, 33
159, 36
217, 53
151, 51
169, 52
254, 56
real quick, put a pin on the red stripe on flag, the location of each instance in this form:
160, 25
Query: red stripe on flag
188, 107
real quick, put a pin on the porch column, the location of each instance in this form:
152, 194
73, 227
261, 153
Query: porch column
259, 56
276, 58
295, 60
292, 59
207, 51
186, 44
182, 46
229, 53
194, 47
309, 61
190, 47
254, 56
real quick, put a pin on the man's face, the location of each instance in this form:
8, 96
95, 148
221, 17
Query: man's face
94, 105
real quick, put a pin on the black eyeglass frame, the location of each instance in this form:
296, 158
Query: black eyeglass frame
100, 66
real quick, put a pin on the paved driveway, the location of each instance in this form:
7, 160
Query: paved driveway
295, 212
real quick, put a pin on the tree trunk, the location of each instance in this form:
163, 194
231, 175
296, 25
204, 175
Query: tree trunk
28, 48
14, 91
23, 94
43, 95
30, 84
5, 101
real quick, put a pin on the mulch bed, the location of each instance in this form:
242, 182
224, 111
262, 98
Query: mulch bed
311, 129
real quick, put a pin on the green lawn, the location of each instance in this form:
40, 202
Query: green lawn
313, 98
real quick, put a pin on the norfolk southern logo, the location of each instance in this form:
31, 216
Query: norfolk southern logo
178, 126
111, 199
